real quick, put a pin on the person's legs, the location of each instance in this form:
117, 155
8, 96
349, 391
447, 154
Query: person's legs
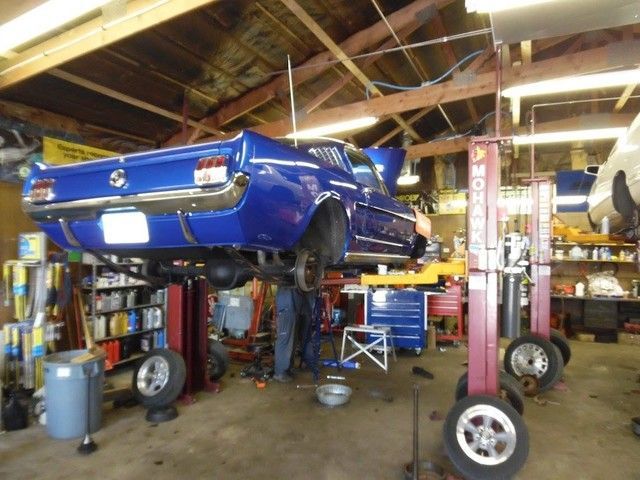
306, 307
285, 331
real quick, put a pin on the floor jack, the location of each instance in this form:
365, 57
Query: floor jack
187, 307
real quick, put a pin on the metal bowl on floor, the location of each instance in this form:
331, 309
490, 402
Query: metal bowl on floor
635, 424
333, 394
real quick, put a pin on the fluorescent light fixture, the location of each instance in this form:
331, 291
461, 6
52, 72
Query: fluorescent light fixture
408, 179
569, 136
334, 128
570, 199
487, 6
43, 19
574, 84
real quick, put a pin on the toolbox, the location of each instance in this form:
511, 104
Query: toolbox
403, 310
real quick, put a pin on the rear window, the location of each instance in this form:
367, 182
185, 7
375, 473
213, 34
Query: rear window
328, 154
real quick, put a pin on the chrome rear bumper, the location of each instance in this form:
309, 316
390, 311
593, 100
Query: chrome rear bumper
155, 203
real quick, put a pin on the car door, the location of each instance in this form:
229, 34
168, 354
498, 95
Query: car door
389, 224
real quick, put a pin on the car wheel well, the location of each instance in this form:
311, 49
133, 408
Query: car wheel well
621, 196
327, 231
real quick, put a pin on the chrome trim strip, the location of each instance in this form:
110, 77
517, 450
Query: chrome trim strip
152, 203
383, 242
68, 234
368, 258
187, 233
395, 214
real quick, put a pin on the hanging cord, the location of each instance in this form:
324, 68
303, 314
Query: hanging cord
423, 84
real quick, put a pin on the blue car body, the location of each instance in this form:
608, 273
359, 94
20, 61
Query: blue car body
250, 194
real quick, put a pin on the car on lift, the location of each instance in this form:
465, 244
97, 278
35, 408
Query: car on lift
616, 191
250, 206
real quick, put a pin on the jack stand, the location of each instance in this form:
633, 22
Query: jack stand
161, 414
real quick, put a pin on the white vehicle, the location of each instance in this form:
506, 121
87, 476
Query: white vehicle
616, 191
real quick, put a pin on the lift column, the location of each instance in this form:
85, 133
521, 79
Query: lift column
541, 257
482, 242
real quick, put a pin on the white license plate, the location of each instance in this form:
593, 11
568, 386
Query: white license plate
125, 227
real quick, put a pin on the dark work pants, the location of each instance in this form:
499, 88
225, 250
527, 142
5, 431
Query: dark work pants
293, 322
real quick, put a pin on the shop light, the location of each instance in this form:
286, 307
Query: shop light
574, 84
408, 179
43, 19
488, 6
570, 199
569, 136
334, 128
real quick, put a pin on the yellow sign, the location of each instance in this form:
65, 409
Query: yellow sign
450, 202
60, 152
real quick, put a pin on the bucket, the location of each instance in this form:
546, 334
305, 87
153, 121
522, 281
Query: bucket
66, 394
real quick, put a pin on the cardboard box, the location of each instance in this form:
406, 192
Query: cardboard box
629, 338
586, 337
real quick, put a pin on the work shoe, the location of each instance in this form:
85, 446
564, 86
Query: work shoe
283, 378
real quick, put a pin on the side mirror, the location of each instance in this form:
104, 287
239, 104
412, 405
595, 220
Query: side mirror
592, 169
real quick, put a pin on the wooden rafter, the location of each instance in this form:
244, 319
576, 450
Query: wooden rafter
454, 90
317, 64
473, 67
441, 31
460, 144
333, 47
92, 35
348, 77
627, 35
109, 92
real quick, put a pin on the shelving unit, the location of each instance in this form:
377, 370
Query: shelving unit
114, 343
600, 315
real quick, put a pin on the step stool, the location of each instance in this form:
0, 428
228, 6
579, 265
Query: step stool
366, 348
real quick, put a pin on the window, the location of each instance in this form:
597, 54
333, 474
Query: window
365, 171
328, 154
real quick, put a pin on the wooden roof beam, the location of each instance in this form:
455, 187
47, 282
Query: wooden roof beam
328, 42
458, 89
317, 64
460, 144
92, 35
473, 67
450, 55
94, 87
348, 77
627, 34
437, 147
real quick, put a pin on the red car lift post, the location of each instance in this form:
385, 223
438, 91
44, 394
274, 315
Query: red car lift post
187, 312
482, 243
541, 257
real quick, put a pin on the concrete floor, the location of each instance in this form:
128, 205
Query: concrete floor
283, 433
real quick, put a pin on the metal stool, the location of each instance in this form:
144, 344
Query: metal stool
384, 335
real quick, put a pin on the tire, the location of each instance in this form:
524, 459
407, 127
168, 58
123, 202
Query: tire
308, 271
510, 390
158, 378
560, 341
217, 360
536, 356
477, 460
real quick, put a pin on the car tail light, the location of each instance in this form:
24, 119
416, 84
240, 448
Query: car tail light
42, 190
211, 170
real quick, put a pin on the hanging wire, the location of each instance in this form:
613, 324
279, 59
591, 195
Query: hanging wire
423, 84
435, 41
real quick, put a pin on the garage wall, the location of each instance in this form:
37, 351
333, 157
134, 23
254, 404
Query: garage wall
12, 223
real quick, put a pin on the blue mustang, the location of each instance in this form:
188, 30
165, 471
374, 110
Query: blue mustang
246, 207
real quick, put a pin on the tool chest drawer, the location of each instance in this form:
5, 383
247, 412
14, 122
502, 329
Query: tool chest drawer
404, 311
